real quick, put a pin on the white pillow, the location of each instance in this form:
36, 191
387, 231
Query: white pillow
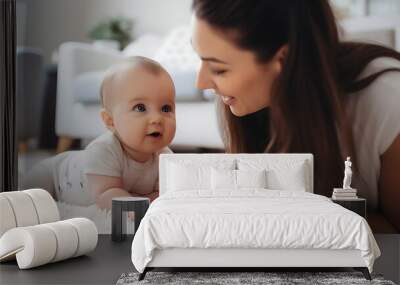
281, 174
223, 179
251, 178
176, 52
193, 174
187, 177
293, 179
237, 179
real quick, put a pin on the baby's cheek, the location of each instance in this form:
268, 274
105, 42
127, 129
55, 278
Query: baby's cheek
135, 136
171, 128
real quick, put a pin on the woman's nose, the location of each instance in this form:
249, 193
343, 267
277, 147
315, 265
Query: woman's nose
203, 81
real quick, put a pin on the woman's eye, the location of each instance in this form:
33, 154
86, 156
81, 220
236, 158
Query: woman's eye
139, 108
166, 108
218, 71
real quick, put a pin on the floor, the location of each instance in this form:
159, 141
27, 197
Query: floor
389, 262
102, 266
106, 264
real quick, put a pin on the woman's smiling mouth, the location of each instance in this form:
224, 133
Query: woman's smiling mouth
228, 100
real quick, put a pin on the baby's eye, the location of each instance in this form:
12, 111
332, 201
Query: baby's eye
139, 108
166, 108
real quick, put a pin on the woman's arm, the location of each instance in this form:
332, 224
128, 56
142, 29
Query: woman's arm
104, 188
389, 184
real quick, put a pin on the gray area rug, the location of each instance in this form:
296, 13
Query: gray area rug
231, 278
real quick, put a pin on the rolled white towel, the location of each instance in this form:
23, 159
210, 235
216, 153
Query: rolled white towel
67, 238
40, 244
32, 246
26, 208
23, 208
46, 207
7, 220
87, 234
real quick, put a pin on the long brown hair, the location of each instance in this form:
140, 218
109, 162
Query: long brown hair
306, 114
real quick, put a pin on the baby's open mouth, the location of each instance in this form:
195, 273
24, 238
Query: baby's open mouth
155, 134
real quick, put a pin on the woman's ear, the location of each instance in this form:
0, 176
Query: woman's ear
107, 119
280, 57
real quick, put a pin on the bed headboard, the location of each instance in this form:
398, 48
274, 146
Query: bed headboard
239, 161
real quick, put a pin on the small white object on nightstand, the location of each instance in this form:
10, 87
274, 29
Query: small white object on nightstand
345, 193
348, 173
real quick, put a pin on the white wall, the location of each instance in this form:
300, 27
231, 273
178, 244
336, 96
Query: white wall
51, 22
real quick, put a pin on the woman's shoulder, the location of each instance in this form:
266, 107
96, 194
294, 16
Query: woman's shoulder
379, 64
388, 83
384, 91
374, 110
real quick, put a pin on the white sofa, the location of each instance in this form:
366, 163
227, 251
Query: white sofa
196, 117
373, 29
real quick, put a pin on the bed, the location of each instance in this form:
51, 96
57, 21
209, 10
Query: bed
247, 210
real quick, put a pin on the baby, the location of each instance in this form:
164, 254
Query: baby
138, 100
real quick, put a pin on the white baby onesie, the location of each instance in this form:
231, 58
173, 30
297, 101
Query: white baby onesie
103, 156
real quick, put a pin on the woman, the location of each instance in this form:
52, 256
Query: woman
287, 84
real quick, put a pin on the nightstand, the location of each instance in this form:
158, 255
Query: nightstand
357, 205
120, 208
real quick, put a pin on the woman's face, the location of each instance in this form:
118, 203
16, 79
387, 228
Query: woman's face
243, 83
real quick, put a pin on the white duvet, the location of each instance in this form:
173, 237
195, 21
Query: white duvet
252, 218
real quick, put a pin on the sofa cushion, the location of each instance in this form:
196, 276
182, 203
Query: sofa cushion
145, 45
177, 56
176, 52
185, 85
87, 86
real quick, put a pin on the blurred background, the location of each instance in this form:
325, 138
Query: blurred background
65, 46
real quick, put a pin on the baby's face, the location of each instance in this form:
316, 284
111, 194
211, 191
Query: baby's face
143, 110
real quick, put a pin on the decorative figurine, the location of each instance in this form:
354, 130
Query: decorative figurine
347, 174
345, 193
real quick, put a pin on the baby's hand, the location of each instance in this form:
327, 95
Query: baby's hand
153, 195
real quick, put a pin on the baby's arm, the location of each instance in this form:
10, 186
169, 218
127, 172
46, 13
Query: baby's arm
105, 188
152, 195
